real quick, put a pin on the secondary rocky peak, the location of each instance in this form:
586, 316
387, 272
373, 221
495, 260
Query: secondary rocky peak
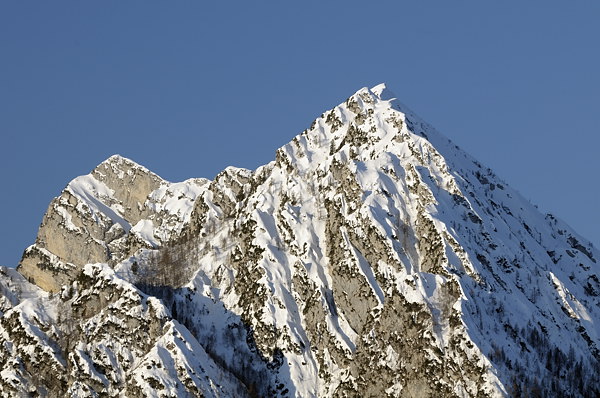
130, 184
119, 161
104, 216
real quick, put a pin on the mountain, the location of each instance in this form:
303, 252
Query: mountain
371, 258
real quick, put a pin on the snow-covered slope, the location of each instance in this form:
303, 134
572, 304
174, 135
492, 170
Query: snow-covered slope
373, 257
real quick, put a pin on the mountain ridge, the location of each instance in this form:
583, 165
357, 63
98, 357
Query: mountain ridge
372, 257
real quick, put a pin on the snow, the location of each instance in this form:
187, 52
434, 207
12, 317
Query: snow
68, 219
94, 194
178, 198
145, 230
382, 92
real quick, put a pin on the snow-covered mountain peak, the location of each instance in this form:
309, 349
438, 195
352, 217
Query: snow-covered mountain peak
372, 257
383, 92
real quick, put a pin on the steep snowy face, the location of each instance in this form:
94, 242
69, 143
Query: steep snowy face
100, 335
378, 258
104, 217
372, 257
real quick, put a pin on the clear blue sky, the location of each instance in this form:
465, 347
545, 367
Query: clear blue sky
188, 88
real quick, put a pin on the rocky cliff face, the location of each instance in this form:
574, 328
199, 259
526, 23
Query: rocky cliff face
371, 258
104, 217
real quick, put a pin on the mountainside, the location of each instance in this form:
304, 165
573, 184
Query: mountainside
371, 258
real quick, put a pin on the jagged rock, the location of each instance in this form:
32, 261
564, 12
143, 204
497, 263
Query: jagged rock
106, 216
371, 258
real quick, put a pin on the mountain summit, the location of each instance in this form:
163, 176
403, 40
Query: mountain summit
371, 258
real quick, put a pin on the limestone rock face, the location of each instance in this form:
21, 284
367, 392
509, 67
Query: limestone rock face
371, 258
103, 217
130, 184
